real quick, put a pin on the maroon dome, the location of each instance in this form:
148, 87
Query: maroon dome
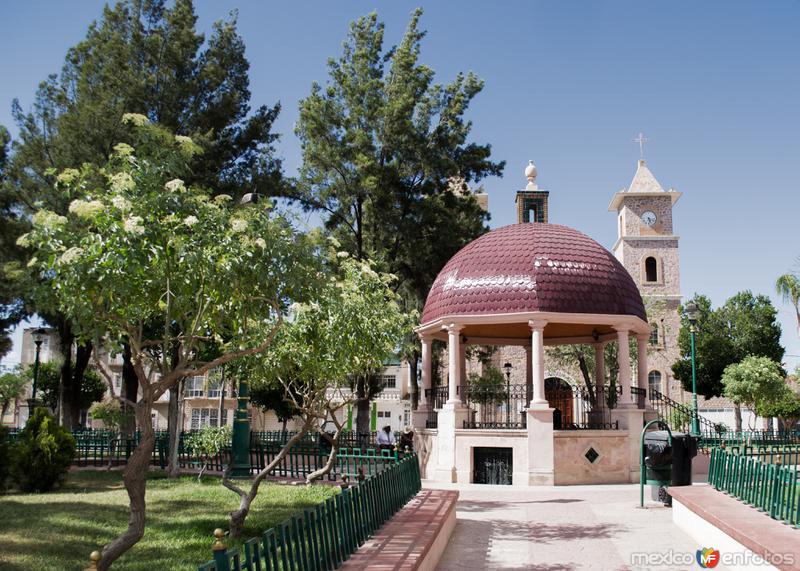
533, 267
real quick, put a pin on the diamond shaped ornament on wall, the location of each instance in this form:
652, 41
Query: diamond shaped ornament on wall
591, 455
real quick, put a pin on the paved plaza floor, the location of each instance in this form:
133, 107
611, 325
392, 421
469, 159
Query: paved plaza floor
563, 528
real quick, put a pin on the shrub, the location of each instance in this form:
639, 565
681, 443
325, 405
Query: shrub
43, 454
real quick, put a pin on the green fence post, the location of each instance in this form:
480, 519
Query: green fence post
219, 549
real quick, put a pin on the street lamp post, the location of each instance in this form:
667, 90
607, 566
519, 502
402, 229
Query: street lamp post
692, 313
507, 367
38, 336
240, 445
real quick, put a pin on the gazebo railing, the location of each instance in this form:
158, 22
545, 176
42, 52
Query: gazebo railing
436, 398
497, 406
573, 410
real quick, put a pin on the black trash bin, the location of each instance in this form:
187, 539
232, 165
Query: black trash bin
684, 448
658, 464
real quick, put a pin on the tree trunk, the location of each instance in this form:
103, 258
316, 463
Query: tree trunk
130, 384
174, 426
66, 338
135, 479
413, 373
72, 394
362, 409
737, 417
237, 517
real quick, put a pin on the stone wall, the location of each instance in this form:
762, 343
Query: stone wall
611, 466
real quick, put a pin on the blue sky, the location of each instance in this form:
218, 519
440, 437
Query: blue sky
714, 85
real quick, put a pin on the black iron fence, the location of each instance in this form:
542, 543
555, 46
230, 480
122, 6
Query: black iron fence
497, 406
436, 398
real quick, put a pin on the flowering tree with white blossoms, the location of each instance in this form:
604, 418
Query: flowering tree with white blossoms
139, 248
350, 329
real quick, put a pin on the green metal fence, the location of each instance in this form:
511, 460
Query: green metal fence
323, 537
762, 480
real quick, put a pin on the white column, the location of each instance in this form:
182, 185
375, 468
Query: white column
528, 373
641, 366
454, 365
600, 374
624, 363
427, 342
462, 375
537, 362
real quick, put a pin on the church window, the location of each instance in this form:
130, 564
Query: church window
654, 381
654, 334
651, 269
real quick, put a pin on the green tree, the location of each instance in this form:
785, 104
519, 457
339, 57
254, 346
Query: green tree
207, 443
12, 383
756, 382
146, 57
272, 397
351, 327
49, 383
490, 387
788, 287
745, 325
139, 246
387, 160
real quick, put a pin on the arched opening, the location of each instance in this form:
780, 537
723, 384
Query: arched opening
654, 381
559, 396
654, 334
651, 269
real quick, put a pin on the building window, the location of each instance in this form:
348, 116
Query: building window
654, 334
117, 381
389, 381
202, 417
194, 386
654, 381
651, 269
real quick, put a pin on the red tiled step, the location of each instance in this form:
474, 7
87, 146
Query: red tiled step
413, 539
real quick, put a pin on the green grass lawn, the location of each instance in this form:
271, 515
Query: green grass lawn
58, 530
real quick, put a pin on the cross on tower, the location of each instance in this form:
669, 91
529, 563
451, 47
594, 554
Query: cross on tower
641, 139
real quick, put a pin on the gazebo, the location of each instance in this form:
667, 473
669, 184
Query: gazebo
531, 285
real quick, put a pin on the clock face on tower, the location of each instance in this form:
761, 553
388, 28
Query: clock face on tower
649, 218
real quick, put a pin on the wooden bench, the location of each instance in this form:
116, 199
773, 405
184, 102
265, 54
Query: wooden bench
414, 538
699, 509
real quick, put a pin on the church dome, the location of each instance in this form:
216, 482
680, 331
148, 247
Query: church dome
533, 267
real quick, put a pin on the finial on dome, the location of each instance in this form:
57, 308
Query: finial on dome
530, 174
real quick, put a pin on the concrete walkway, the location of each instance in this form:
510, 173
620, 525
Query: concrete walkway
563, 528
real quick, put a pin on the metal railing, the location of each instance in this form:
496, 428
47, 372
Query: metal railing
771, 487
639, 396
678, 415
324, 536
436, 397
497, 407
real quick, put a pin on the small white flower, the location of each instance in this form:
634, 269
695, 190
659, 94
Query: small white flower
47, 219
175, 185
33, 261
123, 149
183, 139
187, 145
135, 119
70, 255
86, 209
24, 240
133, 225
190, 221
122, 182
220, 198
261, 243
67, 176
121, 203
342, 255
239, 225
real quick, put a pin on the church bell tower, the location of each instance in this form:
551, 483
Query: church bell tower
648, 248
531, 202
